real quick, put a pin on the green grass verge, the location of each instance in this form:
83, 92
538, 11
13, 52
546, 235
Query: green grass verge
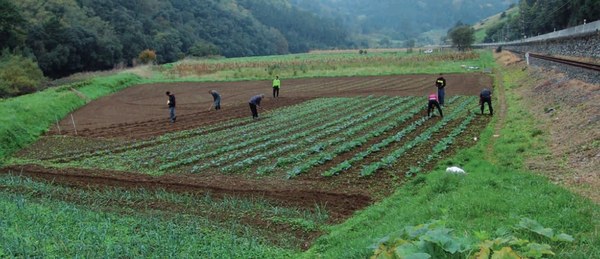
497, 193
26, 117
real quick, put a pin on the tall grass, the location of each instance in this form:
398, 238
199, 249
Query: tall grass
322, 65
496, 194
26, 117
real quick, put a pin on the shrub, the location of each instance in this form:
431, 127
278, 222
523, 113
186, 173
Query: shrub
19, 75
147, 56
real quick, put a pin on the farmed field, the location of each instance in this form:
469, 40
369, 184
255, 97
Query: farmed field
343, 166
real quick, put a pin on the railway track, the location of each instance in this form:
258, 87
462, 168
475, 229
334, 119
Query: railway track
590, 66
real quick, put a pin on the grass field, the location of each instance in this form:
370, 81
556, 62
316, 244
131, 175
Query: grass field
326, 178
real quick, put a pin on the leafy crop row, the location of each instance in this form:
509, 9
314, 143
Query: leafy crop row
443, 144
311, 135
259, 141
391, 158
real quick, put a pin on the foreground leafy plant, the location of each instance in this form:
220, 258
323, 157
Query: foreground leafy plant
434, 240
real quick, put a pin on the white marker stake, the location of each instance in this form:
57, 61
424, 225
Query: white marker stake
75, 127
57, 125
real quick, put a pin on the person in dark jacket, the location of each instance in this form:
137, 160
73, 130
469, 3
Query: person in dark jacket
486, 97
255, 104
171, 104
216, 100
433, 102
440, 83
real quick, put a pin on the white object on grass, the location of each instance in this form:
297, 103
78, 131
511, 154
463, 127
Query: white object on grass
455, 170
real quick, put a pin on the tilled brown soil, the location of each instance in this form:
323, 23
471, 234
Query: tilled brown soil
288, 193
141, 111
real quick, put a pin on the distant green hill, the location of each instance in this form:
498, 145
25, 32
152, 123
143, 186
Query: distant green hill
534, 17
68, 36
482, 27
396, 22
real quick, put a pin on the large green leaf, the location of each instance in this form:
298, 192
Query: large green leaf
564, 237
538, 250
505, 253
536, 227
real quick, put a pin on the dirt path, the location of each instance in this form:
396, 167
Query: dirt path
500, 113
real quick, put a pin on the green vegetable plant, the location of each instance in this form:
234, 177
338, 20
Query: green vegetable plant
435, 240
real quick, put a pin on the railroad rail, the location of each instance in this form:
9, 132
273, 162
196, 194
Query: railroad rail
590, 66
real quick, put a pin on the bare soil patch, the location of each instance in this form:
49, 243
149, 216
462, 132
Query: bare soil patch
141, 111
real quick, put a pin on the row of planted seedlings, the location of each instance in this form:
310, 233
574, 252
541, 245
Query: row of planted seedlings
377, 124
302, 163
316, 127
390, 159
385, 143
165, 139
316, 134
256, 141
442, 145
174, 146
122, 146
181, 152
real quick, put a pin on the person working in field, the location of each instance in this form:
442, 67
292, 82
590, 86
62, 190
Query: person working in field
486, 97
216, 100
440, 83
276, 86
433, 101
255, 104
171, 104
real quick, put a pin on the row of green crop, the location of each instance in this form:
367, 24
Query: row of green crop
243, 135
384, 143
353, 123
199, 147
178, 139
35, 223
306, 128
355, 142
442, 145
391, 158
391, 119
171, 144
260, 141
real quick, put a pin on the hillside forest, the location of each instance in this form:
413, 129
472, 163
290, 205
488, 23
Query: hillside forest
535, 17
45, 40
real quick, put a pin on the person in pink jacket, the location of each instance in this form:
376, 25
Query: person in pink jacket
433, 101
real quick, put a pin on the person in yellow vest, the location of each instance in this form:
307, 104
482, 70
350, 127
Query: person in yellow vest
276, 86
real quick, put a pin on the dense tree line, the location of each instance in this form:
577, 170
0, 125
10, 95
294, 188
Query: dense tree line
302, 29
69, 36
543, 16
